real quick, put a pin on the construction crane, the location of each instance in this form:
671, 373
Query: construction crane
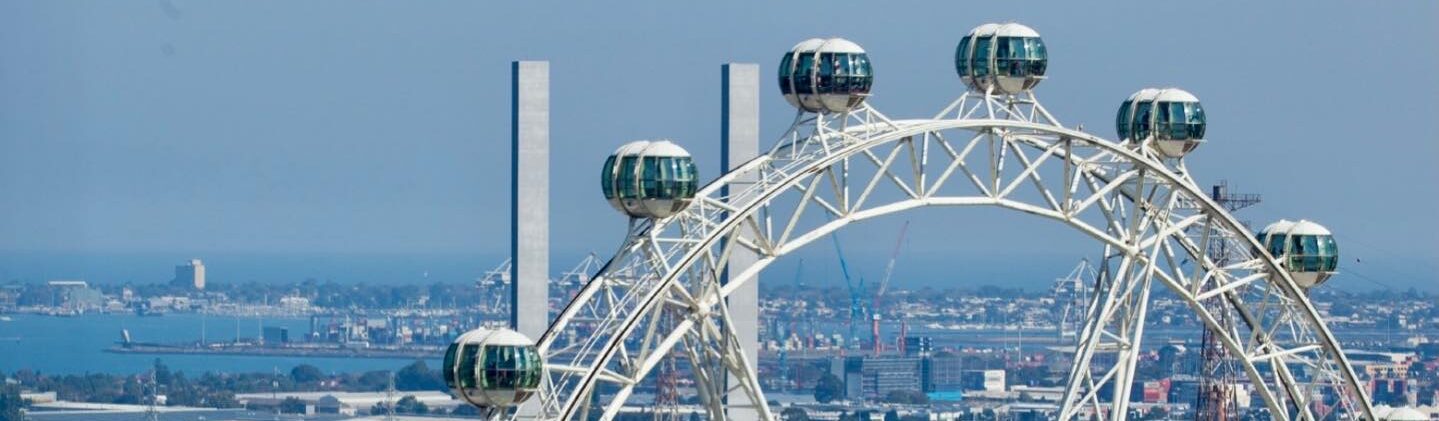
573, 280
874, 308
492, 283
1072, 295
579, 275
856, 294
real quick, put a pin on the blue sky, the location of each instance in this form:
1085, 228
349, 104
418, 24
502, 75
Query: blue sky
183, 128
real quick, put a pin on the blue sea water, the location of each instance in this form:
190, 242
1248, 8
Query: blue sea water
75, 345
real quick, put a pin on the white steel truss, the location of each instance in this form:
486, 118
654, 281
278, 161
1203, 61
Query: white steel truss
661, 295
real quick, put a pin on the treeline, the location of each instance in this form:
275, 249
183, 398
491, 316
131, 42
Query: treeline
327, 294
331, 294
218, 390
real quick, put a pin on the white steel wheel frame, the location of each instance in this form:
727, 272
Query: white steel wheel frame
662, 293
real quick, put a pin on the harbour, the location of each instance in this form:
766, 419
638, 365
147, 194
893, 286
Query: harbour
80, 344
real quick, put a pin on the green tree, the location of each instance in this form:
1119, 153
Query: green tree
465, 410
305, 373
828, 388
292, 405
418, 376
373, 380
794, 414
10, 402
892, 415
410, 405
162, 373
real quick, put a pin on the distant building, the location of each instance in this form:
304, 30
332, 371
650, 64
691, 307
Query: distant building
67, 284
192, 274
276, 336
986, 380
1391, 391
168, 302
295, 303
874, 377
9, 296
75, 295
943, 374
1156, 391
918, 346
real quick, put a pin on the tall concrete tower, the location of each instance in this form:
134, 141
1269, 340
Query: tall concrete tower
739, 143
530, 197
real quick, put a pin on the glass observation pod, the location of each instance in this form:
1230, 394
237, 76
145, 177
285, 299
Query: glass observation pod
647, 179
1306, 249
493, 368
1171, 117
825, 75
1006, 58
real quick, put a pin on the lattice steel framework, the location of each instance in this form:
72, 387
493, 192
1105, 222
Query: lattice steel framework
662, 294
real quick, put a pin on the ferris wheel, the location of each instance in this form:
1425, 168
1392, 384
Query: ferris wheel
663, 294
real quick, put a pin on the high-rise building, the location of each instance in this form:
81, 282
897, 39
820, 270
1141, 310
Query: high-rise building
192, 273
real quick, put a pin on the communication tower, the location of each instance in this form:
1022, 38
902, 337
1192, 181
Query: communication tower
1218, 377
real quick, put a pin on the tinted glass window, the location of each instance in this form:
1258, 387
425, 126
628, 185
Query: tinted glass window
449, 367
1121, 120
607, 178
527, 368
1142, 119
1039, 57
500, 364
469, 357
864, 74
961, 56
802, 82
1276, 245
1311, 244
980, 61
1174, 117
1330, 250
1005, 63
786, 72
1197, 120
626, 185
826, 72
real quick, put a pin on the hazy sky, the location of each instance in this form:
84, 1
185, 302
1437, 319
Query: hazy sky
194, 127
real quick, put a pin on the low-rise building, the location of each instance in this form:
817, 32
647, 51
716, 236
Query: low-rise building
875, 377
346, 403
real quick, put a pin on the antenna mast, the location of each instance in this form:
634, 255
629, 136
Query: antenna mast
1218, 385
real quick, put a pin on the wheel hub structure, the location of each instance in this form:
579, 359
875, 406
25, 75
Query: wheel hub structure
663, 294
